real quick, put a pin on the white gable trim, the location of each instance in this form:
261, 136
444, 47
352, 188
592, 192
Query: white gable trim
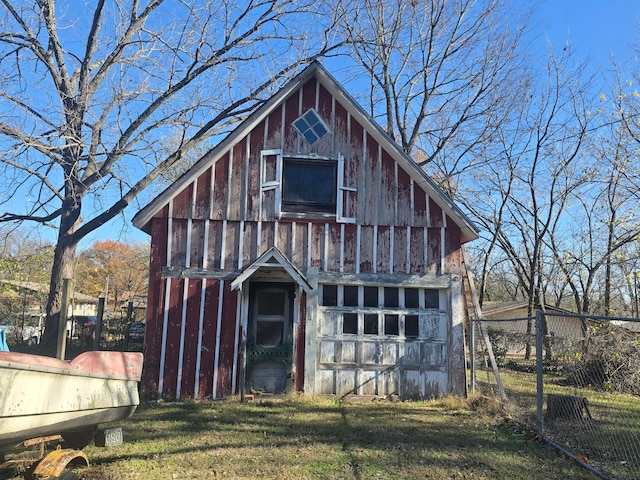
419, 176
272, 258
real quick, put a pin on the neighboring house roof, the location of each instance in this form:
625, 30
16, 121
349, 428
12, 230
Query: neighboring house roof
42, 288
139, 301
468, 230
496, 308
630, 326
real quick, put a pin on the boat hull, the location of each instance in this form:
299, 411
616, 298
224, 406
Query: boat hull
42, 396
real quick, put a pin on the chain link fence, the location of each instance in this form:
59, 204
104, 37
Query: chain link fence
574, 379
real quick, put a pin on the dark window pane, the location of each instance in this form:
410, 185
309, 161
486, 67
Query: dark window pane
309, 186
391, 325
411, 298
269, 333
431, 299
271, 303
301, 124
371, 324
319, 130
411, 326
390, 297
350, 323
311, 137
370, 296
330, 295
350, 296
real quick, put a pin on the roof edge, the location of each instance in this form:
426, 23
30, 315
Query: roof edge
141, 219
469, 231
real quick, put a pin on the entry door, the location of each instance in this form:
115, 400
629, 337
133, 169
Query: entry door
270, 347
271, 317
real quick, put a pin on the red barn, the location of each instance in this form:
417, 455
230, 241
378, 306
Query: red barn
305, 252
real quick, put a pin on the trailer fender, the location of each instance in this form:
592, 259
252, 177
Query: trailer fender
55, 462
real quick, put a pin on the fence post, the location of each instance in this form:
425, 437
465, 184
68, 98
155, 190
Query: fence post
61, 344
539, 372
97, 333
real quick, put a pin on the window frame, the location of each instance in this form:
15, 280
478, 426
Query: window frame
311, 119
272, 180
395, 314
309, 205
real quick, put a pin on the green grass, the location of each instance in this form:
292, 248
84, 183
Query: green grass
301, 438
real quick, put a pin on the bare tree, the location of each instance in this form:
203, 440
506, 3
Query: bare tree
490, 207
88, 95
590, 243
536, 168
443, 75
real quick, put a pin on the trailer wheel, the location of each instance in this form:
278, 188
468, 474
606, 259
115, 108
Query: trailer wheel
54, 465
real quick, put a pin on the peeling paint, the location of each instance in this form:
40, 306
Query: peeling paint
222, 223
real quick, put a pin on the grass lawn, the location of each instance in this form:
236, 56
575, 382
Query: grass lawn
302, 438
607, 435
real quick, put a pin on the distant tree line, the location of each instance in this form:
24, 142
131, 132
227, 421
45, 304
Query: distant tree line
114, 270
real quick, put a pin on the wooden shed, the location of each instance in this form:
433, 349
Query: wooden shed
305, 252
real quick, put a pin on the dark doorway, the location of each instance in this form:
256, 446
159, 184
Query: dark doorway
269, 337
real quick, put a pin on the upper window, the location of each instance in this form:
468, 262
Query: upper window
310, 126
309, 185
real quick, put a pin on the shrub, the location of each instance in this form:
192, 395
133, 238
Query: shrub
499, 344
610, 361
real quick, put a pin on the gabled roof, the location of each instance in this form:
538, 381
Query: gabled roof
420, 177
44, 289
271, 260
494, 308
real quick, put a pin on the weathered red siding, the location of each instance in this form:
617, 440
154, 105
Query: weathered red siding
169, 368
190, 341
155, 303
209, 327
224, 220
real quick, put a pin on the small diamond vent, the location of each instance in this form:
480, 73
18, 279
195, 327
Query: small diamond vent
310, 126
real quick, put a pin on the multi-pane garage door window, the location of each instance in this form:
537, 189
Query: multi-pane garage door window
388, 311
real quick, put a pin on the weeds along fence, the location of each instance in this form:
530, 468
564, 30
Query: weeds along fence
574, 379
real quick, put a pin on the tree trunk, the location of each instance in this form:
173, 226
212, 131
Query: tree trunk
527, 349
531, 308
63, 260
607, 274
62, 268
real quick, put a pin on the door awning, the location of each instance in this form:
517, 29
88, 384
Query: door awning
271, 262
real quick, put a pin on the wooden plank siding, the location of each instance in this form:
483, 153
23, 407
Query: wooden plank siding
227, 216
327, 246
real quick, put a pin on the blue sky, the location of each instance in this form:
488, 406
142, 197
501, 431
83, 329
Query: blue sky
593, 28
